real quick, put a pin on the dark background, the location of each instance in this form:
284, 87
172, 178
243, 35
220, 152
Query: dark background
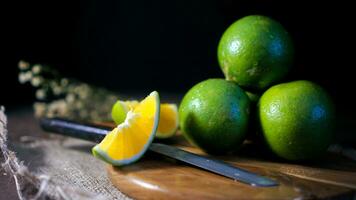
140, 46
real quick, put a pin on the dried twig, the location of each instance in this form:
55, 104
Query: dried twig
58, 96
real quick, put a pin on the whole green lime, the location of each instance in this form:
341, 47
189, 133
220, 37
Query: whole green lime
214, 116
297, 120
255, 52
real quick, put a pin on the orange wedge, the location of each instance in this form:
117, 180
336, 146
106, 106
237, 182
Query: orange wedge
131, 139
168, 122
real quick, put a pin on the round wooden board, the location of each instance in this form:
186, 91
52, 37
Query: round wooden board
157, 177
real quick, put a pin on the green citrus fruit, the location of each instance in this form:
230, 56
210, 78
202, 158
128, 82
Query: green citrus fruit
214, 115
297, 120
255, 52
119, 111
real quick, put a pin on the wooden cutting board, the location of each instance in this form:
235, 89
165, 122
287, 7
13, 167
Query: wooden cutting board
158, 177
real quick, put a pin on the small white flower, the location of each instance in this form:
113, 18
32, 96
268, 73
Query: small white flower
25, 77
36, 69
57, 108
64, 82
22, 78
36, 81
40, 109
28, 75
83, 94
40, 94
61, 107
23, 65
79, 105
53, 84
70, 98
57, 90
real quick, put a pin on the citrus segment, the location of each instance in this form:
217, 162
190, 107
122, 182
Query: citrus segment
168, 123
130, 139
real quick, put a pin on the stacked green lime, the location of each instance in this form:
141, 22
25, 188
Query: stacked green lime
296, 119
214, 115
255, 52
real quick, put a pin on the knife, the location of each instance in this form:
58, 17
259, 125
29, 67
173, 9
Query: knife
96, 133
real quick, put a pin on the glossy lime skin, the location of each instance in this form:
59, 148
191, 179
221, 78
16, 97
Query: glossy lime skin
214, 116
297, 120
255, 51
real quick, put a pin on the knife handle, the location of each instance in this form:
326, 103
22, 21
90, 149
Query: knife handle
74, 129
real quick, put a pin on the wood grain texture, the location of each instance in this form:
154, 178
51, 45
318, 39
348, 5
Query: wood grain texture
158, 177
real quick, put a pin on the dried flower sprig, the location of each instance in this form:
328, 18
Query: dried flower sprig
64, 97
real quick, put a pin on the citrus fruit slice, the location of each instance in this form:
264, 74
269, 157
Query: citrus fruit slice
130, 139
168, 122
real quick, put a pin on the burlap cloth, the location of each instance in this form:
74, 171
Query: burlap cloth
42, 166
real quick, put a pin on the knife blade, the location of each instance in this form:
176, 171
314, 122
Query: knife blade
97, 133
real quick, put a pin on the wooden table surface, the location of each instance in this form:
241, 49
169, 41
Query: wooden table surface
156, 177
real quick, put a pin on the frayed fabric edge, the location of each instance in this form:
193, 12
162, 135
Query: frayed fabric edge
30, 185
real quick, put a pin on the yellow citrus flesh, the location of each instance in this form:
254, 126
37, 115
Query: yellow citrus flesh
130, 139
168, 122
131, 104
